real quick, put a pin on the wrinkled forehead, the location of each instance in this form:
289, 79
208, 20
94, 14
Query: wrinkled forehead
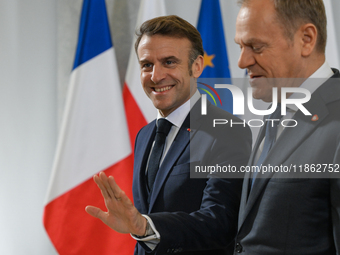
256, 19
261, 11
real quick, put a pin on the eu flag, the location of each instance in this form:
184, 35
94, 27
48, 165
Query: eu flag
216, 64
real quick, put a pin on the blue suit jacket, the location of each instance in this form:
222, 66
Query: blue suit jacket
175, 191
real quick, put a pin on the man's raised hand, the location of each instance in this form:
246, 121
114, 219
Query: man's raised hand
122, 216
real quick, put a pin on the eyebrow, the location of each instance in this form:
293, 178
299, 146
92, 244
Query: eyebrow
251, 41
143, 61
162, 59
169, 58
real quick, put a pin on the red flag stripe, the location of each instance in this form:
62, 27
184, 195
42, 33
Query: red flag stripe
135, 118
68, 219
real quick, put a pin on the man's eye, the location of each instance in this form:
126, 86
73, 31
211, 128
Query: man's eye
147, 65
257, 49
169, 62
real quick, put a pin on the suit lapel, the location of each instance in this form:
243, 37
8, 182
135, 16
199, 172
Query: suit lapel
141, 157
176, 148
257, 144
180, 142
247, 176
288, 142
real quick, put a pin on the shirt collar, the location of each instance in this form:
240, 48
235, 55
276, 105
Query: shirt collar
178, 116
313, 82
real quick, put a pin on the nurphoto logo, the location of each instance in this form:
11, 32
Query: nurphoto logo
239, 104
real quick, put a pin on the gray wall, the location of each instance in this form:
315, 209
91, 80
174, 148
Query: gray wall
37, 43
28, 126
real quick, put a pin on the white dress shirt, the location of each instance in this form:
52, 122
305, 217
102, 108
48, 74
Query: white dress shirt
176, 118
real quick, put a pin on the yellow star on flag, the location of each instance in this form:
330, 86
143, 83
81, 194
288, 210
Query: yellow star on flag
207, 60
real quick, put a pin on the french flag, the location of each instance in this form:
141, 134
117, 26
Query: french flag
93, 137
139, 108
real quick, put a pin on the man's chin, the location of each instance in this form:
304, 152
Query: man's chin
256, 94
259, 96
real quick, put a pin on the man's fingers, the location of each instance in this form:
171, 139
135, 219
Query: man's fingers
96, 212
125, 199
109, 188
101, 186
121, 214
118, 193
106, 184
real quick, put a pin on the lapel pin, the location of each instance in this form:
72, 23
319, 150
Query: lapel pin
189, 130
315, 117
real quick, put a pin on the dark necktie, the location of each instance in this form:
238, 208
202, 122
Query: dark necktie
163, 128
270, 137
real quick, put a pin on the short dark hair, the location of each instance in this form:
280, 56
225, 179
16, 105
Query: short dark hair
294, 13
172, 26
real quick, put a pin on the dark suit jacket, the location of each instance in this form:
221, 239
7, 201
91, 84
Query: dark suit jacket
175, 191
297, 215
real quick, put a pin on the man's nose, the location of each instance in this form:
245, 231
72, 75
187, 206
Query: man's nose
158, 73
246, 58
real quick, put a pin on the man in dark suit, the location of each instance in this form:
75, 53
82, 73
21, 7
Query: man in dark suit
282, 45
297, 212
170, 54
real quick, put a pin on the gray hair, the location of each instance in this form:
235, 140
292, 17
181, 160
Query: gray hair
293, 13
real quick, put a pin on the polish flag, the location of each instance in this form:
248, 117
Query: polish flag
93, 138
138, 107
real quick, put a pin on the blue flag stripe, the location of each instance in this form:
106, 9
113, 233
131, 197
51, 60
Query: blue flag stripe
94, 32
211, 28
210, 25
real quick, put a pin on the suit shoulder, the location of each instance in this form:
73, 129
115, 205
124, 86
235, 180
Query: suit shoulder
147, 127
145, 130
330, 90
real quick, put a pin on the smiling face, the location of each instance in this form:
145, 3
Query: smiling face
266, 52
165, 74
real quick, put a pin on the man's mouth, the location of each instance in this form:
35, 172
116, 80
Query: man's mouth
255, 76
162, 89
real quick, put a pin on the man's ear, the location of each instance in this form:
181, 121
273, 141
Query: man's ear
309, 36
197, 67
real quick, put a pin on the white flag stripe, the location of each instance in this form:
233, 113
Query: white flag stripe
148, 9
136, 89
84, 150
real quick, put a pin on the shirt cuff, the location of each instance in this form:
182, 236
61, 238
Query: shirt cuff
151, 240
